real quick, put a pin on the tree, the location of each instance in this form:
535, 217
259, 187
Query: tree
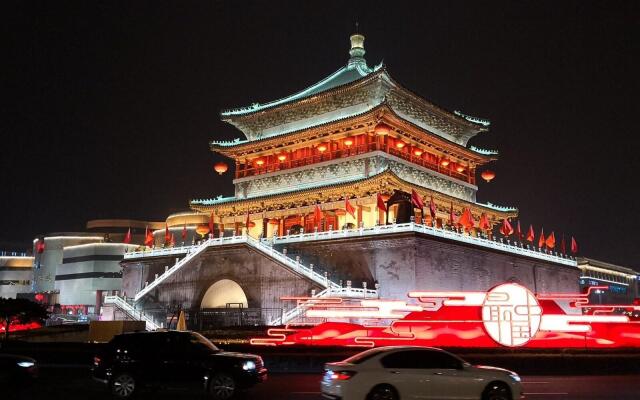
20, 310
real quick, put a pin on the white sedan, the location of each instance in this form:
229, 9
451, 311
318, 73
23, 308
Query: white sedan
408, 372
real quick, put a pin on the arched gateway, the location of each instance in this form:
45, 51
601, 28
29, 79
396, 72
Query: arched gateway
224, 293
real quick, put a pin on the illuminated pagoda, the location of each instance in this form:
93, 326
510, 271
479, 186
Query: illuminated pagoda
352, 188
353, 135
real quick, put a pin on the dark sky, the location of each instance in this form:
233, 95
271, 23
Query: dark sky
108, 106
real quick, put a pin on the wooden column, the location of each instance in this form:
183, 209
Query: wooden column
359, 216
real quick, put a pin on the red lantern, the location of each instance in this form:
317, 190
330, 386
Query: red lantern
382, 129
322, 148
417, 152
400, 144
39, 297
40, 246
259, 162
202, 230
348, 142
488, 175
220, 167
460, 168
444, 162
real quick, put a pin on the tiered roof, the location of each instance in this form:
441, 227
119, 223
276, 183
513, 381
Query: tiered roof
352, 90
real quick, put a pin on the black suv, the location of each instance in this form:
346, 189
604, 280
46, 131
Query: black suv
174, 360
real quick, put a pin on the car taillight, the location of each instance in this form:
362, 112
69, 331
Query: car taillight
342, 375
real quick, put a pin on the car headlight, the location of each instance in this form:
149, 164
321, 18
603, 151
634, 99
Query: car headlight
515, 377
248, 365
26, 364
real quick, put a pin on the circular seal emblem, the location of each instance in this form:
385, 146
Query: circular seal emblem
511, 314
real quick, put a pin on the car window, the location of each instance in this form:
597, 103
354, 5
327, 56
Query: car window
420, 359
364, 356
202, 343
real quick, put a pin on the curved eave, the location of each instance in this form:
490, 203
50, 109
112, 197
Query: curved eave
283, 105
308, 92
238, 148
202, 206
382, 70
442, 111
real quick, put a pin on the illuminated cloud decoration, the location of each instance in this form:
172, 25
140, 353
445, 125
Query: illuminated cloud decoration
508, 315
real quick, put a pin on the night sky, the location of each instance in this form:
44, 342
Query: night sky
109, 106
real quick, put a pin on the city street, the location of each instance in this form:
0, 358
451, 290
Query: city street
75, 383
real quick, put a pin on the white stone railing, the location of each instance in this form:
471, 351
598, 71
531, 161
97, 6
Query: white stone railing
192, 251
343, 292
298, 310
132, 312
428, 230
351, 292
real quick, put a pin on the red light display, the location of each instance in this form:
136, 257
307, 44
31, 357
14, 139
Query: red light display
508, 315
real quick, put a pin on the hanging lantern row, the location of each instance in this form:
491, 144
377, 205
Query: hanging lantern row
380, 129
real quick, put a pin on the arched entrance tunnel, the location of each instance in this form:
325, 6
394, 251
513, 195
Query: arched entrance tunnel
224, 293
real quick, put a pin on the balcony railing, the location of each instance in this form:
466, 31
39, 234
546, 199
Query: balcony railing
495, 244
244, 170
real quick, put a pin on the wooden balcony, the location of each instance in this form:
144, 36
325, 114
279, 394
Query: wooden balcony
333, 151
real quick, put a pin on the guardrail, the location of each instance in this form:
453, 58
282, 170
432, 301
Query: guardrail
132, 312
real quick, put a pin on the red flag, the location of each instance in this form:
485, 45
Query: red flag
551, 241
518, 231
563, 245
247, 223
211, 223
148, 238
127, 237
506, 229
349, 208
484, 222
466, 219
416, 200
452, 216
184, 232
381, 205
40, 246
531, 235
432, 208
317, 215
574, 245
541, 239
167, 235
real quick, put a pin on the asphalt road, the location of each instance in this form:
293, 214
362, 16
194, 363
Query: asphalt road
75, 383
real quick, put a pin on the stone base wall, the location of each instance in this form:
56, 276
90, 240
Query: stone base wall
404, 262
398, 263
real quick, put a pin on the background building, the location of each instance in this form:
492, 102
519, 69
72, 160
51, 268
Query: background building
16, 273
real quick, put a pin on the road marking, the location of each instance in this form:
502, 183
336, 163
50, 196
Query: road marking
532, 383
545, 394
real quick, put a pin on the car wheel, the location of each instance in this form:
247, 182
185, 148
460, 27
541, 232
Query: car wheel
123, 386
222, 386
497, 391
383, 392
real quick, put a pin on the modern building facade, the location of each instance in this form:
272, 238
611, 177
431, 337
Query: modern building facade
16, 273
